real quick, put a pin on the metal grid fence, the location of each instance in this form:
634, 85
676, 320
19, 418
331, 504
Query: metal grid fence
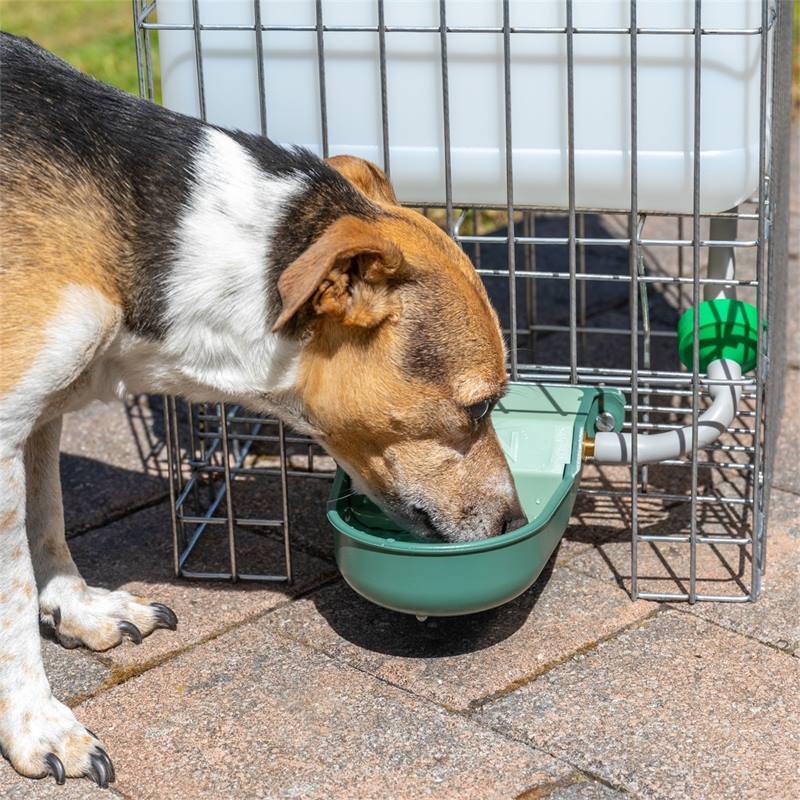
585, 296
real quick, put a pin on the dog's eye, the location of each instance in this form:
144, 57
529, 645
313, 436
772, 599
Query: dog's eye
479, 410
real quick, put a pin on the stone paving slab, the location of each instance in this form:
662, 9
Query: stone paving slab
73, 674
583, 790
787, 470
775, 617
458, 661
135, 554
793, 298
252, 714
14, 787
675, 708
110, 461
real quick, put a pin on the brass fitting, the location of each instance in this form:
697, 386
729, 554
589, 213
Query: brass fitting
588, 447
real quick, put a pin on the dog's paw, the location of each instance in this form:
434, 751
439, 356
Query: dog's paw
44, 738
98, 618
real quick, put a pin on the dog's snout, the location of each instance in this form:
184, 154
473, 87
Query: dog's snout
513, 520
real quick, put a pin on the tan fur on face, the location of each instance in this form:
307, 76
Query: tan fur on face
366, 177
55, 231
389, 400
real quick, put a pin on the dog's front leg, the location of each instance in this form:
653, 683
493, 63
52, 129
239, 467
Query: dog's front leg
38, 734
81, 615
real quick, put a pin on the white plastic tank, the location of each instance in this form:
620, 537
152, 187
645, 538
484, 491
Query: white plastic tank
729, 95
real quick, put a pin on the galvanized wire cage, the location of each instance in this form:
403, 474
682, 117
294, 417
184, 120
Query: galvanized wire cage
586, 294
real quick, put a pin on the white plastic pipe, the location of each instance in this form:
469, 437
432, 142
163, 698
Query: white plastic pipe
615, 448
721, 260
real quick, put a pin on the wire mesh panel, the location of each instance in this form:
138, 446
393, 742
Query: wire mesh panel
591, 242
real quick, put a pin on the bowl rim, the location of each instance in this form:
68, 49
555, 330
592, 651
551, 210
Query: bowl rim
569, 481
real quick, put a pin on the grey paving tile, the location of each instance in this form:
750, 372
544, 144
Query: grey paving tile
253, 714
787, 443
15, 787
135, 554
675, 708
72, 673
460, 660
585, 790
111, 461
775, 617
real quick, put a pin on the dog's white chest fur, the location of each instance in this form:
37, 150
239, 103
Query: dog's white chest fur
218, 305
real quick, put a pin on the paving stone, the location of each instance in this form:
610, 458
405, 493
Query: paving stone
775, 617
675, 708
15, 787
252, 714
793, 298
308, 504
135, 554
665, 566
787, 472
785, 512
72, 673
458, 661
584, 790
112, 460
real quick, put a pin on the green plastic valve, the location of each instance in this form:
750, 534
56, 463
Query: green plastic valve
727, 328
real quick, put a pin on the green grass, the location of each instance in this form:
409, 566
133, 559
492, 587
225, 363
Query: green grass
96, 36
796, 58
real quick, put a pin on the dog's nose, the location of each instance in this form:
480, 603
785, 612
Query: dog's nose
512, 521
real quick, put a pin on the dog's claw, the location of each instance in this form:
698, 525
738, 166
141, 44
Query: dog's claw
165, 616
56, 767
102, 770
132, 631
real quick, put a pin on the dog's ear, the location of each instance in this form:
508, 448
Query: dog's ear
348, 273
365, 176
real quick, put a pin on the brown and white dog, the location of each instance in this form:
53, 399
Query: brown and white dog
146, 251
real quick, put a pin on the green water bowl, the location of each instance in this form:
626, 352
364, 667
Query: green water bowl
541, 429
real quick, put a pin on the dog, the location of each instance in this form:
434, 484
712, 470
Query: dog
146, 251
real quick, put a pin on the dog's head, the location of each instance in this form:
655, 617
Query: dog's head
402, 362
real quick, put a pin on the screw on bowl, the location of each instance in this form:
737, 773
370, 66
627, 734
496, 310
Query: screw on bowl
604, 421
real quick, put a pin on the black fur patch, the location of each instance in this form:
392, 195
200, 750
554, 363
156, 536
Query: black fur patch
327, 196
142, 157
139, 153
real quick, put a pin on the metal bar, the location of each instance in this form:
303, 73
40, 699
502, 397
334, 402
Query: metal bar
246, 522
610, 242
262, 92
528, 230
761, 296
673, 498
712, 598
633, 267
148, 60
226, 576
511, 251
384, 93
571, 251
448, 175
223, 424
198, 56
583, 30
695, 295
620, 278
137, 38
580, 239
287, 545
323, 101
173, 465
684, 539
